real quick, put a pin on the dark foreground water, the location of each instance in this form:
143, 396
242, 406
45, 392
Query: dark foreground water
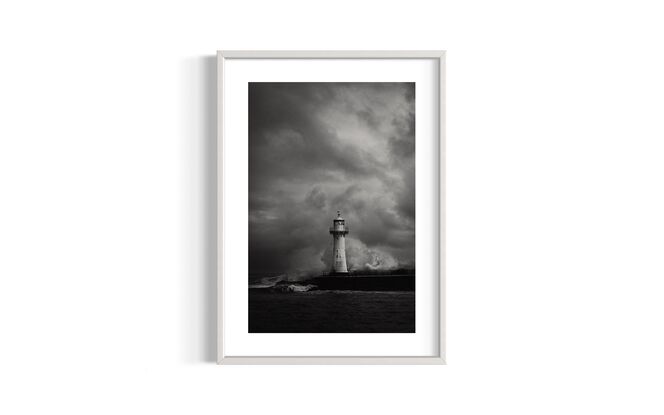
331, 311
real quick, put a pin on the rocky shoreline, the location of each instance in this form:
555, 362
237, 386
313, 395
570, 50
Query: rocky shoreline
350, 283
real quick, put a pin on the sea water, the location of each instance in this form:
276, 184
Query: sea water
331, 311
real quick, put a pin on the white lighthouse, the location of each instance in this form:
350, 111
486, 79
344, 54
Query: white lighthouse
339, 231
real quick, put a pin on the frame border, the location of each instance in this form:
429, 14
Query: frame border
439, 55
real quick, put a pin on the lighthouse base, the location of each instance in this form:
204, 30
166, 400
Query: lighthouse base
339, 274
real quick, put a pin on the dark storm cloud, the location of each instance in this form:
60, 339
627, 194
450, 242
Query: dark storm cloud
315, 148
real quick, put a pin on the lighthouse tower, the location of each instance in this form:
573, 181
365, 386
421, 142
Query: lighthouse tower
339, 231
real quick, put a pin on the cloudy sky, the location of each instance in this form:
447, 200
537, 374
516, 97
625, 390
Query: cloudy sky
315, 148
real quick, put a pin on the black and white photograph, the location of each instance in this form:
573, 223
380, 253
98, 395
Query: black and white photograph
330, 208
331, 243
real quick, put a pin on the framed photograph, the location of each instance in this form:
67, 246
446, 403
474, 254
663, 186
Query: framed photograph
331, 207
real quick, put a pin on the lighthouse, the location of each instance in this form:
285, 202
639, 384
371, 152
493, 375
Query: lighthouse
339, 231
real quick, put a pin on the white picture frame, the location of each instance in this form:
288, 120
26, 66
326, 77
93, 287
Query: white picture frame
223, 57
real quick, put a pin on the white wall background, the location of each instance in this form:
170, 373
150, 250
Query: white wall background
556, 201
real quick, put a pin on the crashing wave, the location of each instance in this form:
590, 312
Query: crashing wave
281, 283
294, 288
269, 282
